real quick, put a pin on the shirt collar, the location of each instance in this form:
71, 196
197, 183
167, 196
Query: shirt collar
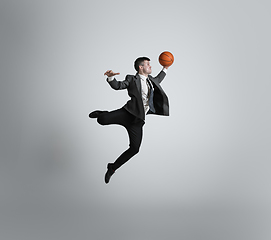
142, 77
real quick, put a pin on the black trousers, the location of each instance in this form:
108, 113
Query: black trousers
134, 128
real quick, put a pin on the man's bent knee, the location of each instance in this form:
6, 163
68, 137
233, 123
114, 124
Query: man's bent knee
134, 150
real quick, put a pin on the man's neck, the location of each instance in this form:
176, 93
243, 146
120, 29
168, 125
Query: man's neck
143, 74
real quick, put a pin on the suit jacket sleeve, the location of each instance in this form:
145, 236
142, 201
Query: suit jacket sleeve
119, 85
159, 78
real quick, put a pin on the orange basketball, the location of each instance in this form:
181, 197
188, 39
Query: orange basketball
166, 59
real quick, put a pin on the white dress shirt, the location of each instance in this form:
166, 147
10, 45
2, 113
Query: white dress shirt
145, 92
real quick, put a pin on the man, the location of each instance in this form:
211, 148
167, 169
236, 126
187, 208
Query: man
147, 97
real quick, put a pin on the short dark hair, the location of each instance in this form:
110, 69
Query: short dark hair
139, 61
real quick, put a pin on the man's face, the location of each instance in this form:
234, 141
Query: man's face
146, 67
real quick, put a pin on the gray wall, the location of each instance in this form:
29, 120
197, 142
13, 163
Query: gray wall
208, 177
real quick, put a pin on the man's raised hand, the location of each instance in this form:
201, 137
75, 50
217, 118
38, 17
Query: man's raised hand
110, 73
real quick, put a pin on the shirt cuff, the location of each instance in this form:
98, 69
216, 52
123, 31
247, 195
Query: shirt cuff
110, 79
165, 70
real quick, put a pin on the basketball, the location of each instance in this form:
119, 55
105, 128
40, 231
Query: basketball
166, 59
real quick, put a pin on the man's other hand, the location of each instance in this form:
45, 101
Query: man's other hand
110, 73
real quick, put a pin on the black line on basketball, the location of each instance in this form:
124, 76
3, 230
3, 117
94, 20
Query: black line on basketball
164, 59
169, 57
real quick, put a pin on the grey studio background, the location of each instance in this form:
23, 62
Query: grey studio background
209, 176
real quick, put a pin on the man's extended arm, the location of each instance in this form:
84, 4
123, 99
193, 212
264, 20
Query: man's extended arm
117, 85
161, 75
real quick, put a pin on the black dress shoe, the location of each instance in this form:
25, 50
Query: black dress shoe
95, 114
109, 173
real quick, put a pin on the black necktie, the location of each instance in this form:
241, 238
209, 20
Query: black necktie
151, 105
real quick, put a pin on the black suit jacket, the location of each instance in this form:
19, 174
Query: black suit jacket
135, 105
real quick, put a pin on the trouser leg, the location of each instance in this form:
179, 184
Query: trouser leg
134, 129
119, 116
135, 132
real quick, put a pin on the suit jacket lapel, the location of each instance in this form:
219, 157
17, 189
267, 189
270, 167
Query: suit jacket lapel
138, 83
